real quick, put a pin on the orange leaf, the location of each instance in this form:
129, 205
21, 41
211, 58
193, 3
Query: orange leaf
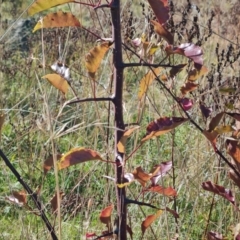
146, 81
19, 198
105, 216
149, 220
163, 32
143, 177
48, 163
77, 155
56, 20
160, 9
162, 126
94, 57
169, 192
194, 74
41, 5
122, 143
58, 82
233, 149
189, 87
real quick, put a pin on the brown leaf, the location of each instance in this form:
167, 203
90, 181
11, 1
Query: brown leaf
105, 216
146, 81
215, 121
162, 126
143, 177
48, 163
94, 57
2, 118
56, 20
169, 192
212, 137
174, 213
19, 198
176, 69
77, 155
234, 177
122, 143
149, 220
58, 82
236, 116
194, 74
41, 5
233, 149
188, 87
220, 190
54, 203
129, 230
162, 31
160, 9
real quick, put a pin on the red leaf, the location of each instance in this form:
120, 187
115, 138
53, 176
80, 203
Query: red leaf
214, 236
220, 190
90, 235
169, 192
149, 220
163, 125
164, 167
186, 103
160, 9
54, 203
190, 51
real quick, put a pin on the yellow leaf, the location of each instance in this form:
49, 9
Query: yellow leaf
224, 129
41, 5
77, 155
57, 19
227, 90
94, 57
146, 81
58, 82
121, 144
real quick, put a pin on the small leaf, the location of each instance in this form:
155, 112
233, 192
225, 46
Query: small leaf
234, 177
236, 116
227, 90
188, 50
77, 155
143, 177
194, 74
41, 5
2, 118
163, 167
58, 82
94, 57
220, 190
233, 149
122, 143
212, 137
214, 236
129, 230
215, 121
186, 103
162, 126
206, 111
149, 220
162, 31
188, 87
54, 203
174, 213
169, 191
57, 20
105, 216
146, 81
224, 129
176, 69
90, 236
19, 198
48, 163
160, 9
